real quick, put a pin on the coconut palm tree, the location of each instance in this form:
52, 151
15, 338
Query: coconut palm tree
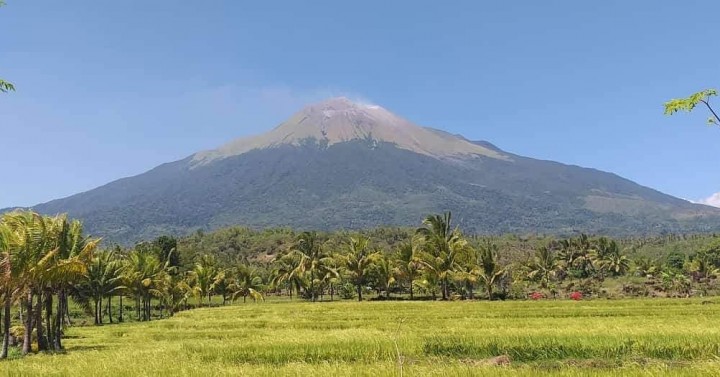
704, 264
7, 275
33, 261
357, 262
145, 278
36, 265
544, 266
286, 273
489, 271
409, 265
205, 276
223, 285
607, 258
617, 264
74, 251
313, 260
384, 274
178, 294
645, 267
247, 283
443, 246
576, 256
103, 279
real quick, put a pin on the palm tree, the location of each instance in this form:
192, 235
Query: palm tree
32, 262
223, 285
103, 279
409, 266
145, 278
36, 263
74, 251
544, 266
247, 283
617, 264
443, 246
358, 260
206, 275
704, 264
178, 293
645, 267
489, 271
608, 258
287, 273
7, 275
576, 255
313, 260
384, 274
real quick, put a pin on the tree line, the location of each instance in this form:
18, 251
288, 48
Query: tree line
48, 263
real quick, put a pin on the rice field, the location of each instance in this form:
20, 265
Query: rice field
653, 337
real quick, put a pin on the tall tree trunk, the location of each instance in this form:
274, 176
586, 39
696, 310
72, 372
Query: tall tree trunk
120, 318
49, 328
411, 289
57, 342
97, 315
312, 287
27, 336
6, 325
41, 339
66, 309
359, 292
444, 289
490, 291
110, 308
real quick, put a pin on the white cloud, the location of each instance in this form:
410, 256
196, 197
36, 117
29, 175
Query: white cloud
713, 200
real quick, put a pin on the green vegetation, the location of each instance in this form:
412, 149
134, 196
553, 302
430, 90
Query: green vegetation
688, 104
659, 337
54, 275
4, 85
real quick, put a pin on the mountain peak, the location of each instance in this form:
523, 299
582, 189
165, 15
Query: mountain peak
339, 120
344, 107
334, 103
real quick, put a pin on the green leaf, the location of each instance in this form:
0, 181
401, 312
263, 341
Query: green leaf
6, 86
689, 103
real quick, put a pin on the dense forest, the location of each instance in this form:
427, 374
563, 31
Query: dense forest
49, 265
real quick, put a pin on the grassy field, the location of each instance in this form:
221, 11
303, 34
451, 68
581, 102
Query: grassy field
678, 337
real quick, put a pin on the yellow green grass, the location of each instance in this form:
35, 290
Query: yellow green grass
588, 338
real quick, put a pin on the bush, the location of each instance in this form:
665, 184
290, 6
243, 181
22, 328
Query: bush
347, 291
536, 295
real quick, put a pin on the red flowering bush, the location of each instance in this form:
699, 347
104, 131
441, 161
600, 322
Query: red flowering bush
536, 295
577, 296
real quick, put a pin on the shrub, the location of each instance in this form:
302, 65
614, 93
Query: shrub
536, 295
347, 291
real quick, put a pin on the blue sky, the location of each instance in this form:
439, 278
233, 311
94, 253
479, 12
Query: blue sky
107, 89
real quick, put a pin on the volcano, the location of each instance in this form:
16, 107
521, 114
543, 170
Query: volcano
341, 164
